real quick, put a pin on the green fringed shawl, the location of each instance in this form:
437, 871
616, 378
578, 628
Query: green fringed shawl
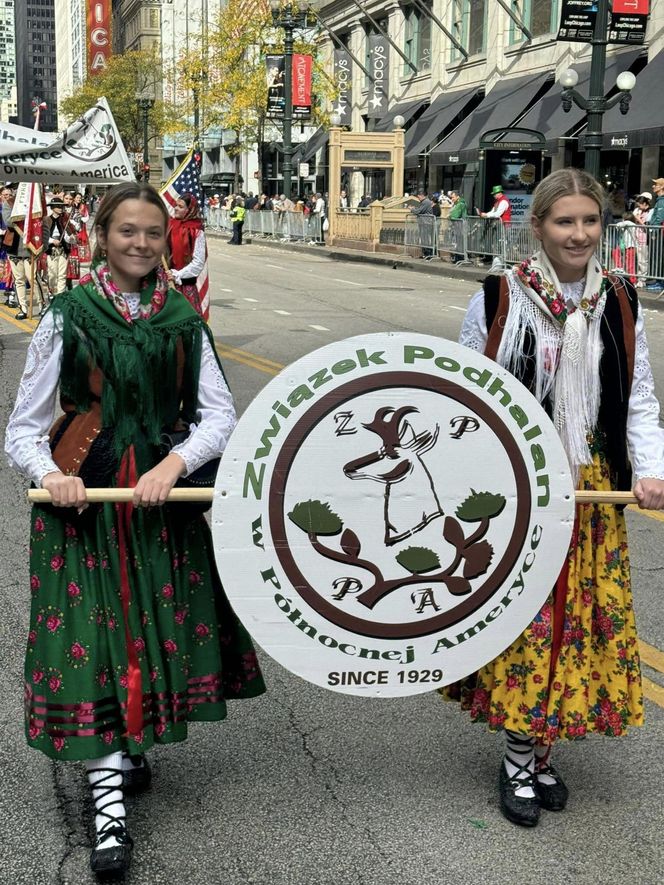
138, 362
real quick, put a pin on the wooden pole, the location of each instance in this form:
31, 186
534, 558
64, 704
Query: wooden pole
123, 496
32, 284
98, 496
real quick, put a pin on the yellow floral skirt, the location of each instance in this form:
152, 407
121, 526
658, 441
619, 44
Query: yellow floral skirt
575, 669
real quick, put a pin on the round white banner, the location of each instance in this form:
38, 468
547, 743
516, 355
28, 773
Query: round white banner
390, 514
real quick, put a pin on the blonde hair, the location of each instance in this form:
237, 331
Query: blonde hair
565, 183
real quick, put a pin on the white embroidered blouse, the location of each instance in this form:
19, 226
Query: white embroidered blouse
26, 441
645, 436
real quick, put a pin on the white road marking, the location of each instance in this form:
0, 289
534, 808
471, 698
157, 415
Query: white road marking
319, 328
276, 266
254, 300
283, 313
347, 282
454, 307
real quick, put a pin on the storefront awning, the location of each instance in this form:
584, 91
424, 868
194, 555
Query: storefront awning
310, 148
407, 109
433, 122
644, 124
501, 108
548, 116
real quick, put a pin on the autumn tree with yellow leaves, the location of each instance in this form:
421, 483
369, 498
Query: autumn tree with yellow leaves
225, 73
125, 76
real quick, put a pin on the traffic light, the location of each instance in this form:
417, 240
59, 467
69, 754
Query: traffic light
146, 171
268, 170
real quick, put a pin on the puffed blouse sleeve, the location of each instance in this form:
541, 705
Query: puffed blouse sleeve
26, 439
209, 436
197, 263
474, 332
645, 436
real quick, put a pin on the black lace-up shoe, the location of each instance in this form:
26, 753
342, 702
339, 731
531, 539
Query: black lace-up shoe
524, 812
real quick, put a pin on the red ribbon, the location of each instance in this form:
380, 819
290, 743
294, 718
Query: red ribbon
127, 478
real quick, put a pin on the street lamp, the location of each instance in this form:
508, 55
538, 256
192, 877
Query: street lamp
596, 105
289, 17
399, 122
145, 101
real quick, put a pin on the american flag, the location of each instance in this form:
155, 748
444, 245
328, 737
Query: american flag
186, 179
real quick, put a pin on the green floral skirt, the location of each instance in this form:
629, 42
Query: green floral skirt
576, 668
179, 644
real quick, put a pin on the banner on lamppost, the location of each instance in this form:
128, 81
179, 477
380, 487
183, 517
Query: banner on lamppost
629, 20
99, 47
577, 20
275, 69
301, 95
379, 65
343, 80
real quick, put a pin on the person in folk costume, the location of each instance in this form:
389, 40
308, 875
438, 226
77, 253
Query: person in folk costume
572, 334
131, 635
83, 240
73, 224
188, 248
57, 247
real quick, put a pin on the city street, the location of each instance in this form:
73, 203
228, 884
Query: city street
308, 787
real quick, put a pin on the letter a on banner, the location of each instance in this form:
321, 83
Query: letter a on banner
98, 35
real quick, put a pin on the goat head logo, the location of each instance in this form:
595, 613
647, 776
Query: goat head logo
398, 463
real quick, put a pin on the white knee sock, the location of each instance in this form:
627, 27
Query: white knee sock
520, 760
105, 777
129, 763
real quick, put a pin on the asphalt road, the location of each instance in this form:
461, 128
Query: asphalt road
305, 786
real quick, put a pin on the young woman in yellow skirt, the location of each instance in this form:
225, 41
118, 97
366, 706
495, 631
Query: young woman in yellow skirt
574, 335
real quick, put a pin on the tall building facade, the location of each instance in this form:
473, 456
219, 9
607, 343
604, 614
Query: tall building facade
36, 61
7, 60
70, 43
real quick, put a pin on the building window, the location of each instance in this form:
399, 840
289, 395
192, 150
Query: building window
539, 16
469, 26
417, 40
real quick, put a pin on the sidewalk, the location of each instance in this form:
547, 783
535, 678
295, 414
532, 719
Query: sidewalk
475, 273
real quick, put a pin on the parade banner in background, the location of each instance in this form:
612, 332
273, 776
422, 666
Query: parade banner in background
274, 70
390, 513
89, 151
379, 66
343, 79
98, 35
301, 94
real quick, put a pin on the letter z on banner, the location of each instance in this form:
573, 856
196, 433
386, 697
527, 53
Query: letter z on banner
390, 514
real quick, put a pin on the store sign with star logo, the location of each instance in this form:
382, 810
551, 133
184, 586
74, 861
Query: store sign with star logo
390, 513
379, 87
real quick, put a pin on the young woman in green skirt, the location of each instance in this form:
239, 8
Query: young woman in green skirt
131, 636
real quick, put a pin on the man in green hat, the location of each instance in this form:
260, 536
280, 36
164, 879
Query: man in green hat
501, 206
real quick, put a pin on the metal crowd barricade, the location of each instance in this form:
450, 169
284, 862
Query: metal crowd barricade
421, 232
635, 250
484, 237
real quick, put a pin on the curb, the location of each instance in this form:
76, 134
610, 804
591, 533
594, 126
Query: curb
397, 262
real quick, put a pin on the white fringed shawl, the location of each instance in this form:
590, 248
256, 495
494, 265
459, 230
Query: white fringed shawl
568, 347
